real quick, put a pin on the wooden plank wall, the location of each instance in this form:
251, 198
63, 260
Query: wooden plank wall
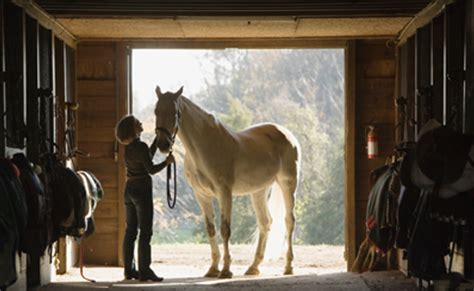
97, 97
375, 84
31, 63
444, 48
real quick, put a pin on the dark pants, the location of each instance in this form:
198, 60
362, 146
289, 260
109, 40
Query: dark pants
139, 215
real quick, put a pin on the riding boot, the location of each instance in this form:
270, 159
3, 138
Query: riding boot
144, 259
130, 272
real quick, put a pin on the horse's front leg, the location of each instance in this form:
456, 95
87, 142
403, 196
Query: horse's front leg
205, 202
225, 203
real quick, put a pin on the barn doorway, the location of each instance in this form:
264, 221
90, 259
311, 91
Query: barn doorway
301, 89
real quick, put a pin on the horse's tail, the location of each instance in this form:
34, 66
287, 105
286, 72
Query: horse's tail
282, 199
282, 202
276, 236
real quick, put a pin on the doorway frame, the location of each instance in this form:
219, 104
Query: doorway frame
124, 106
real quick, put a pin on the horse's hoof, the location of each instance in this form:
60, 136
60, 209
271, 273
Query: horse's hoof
212, 273
225, 274
252, 271
288, 271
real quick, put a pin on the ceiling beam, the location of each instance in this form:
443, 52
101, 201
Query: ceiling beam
43, 18
296, 8
422, 18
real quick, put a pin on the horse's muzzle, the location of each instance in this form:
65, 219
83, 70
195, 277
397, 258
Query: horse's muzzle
165, 141
164, 145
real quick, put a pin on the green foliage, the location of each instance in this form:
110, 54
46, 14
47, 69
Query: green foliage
243, 220
238, 116
323, 213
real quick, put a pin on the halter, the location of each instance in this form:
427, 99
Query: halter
171, 137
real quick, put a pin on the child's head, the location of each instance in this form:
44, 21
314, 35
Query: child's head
128, 129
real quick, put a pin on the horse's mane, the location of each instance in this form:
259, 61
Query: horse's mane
195, 109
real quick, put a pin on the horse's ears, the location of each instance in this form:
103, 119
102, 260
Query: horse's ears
158, 91
179, 92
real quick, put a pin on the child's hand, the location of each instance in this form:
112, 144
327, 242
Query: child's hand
170, 159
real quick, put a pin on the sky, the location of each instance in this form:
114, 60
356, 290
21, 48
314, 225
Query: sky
168, 68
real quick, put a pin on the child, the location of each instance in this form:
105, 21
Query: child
138, 197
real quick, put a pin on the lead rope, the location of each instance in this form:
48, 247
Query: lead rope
81, 259
171, 200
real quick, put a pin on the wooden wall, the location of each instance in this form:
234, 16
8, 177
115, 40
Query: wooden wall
374, 105
36, 77
436, 70
436, 77
97, 92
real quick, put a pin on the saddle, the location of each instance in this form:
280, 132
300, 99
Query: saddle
441, 157
94, 193
13, 217
67, 190
38, 232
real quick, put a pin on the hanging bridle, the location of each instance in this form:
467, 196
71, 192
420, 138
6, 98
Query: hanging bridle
171, 138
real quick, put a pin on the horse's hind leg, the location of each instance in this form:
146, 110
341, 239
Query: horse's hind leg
259, 203
225, 203
288, 187
206, 206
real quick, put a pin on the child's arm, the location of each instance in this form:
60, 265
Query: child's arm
153, 147
147, 160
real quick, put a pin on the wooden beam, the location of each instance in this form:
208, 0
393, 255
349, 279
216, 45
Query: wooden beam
469, 116
438, 66
59, 92
46, 83
454, 44
422, 18
223, 43
410, 89
35, 11
15, 51
32, 105
2, 83
423, 100
217, 8
123, 57
350, 153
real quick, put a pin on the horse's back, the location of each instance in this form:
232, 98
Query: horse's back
273, 134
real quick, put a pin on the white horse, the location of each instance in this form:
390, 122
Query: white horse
220, 163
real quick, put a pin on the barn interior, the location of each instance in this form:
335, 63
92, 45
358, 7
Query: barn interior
66, 82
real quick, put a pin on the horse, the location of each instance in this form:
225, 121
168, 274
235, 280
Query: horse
219, 163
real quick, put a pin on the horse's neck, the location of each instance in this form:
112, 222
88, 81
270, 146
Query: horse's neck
198, 127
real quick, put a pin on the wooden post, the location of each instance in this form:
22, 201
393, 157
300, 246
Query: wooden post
438, 66
350, 153
123, 101
2, 80
454, 43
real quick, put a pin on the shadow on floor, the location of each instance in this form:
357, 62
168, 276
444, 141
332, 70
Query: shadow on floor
336, 281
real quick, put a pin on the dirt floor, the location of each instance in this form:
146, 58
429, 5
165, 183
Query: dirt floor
182, 266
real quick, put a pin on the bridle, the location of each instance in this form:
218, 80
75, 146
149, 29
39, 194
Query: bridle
171, 138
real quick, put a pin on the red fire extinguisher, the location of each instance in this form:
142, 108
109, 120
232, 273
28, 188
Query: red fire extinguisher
372, 143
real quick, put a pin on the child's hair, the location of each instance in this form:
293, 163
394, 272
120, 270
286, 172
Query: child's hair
125, 130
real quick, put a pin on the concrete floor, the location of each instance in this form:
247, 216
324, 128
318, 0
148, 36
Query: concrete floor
329, 281
318, 267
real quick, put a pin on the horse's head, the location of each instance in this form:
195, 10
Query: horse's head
167, 117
